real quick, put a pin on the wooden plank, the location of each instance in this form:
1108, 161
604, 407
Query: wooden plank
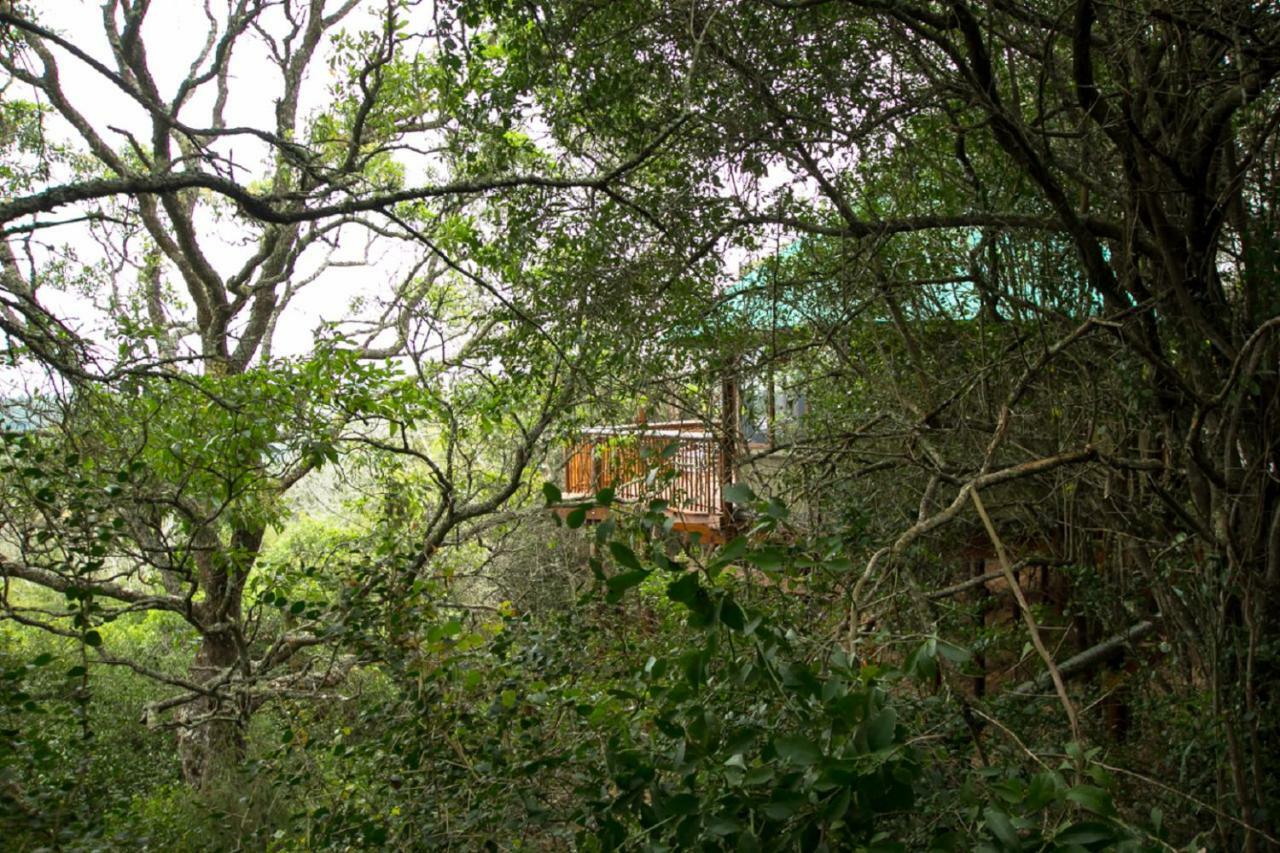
692, 479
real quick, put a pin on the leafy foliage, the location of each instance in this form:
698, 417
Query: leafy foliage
974, 304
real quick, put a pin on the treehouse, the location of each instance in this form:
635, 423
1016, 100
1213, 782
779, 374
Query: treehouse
688, 461
746, 355
681, 463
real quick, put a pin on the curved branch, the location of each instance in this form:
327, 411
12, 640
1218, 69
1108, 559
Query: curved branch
267, 208
61, 583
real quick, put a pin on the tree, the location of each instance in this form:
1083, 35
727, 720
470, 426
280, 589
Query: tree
171, 432
1032, 243
1099, 182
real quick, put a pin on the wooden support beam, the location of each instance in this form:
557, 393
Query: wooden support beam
1107, 650
728, 435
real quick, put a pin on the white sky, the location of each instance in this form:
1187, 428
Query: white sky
174, 33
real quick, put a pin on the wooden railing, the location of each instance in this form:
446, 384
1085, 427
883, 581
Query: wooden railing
678, 463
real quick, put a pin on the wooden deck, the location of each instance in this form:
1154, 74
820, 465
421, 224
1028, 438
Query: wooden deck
679, 462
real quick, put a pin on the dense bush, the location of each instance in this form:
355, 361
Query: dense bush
684, 700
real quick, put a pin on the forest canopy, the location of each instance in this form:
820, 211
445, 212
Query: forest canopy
752, 425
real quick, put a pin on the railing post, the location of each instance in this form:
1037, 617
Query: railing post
728, 436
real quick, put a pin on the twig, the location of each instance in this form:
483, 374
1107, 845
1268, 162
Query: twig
1201, 803
1002, 727
1027, 617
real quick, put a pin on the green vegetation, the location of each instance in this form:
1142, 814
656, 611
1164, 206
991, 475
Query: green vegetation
304, 308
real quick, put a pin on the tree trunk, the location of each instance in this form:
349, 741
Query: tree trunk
211, 741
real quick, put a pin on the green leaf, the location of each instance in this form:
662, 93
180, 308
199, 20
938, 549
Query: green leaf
92, 639
777, 509
604, 497
797, 750
954, 653
784, 804
768, 559
680, 804
739, 493
883, 844
618, 584
625, 556
1085, 833
684, 590
880, 729
576, 518
947, 841
1093, 799
43, 659
837, 804
374, 834
694, 665
731, 615
723, 825
552, 493
1002, 828
1041, 791
921, 662
734, 549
